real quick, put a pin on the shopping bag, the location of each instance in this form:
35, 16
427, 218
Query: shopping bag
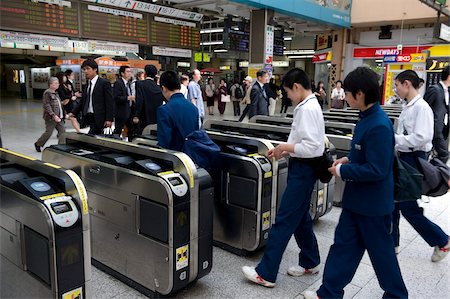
225, 98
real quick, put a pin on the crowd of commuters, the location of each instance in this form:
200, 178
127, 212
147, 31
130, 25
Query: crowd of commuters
370, 218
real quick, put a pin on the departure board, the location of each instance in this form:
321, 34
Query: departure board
165, 34
104, 26
239, 41
278, 46
24, 15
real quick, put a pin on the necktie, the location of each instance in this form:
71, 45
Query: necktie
129, 88
89, 96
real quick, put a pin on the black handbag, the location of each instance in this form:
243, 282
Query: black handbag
407, 181
436, 175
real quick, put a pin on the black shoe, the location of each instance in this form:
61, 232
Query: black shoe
37, 147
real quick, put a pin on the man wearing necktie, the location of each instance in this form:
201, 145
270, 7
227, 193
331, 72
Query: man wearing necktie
123, 99
97, 102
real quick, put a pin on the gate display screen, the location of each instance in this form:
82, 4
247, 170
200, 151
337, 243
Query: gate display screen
164, 34
24, 15
103, 26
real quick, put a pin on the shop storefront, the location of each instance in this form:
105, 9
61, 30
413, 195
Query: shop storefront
321, 68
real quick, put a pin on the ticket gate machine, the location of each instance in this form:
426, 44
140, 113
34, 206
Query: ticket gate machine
246, 185
44, 230
151, 211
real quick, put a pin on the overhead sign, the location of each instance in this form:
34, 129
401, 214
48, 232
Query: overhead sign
412, 58
33, 39
115, 12
323, 42
175, 22
380, 52
151, 8
175, 52
280, 63
56, 2
444, 33
268, 44
198, 57
336, 12
322, 57
96, 45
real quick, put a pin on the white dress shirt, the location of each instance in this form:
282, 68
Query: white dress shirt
184, 90
93, 81
338, 93
308, 129
415, 127
445, 92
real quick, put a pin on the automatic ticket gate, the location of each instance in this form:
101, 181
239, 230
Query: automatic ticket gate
246, 185
151, 211
44, 230
334, 128
323, 194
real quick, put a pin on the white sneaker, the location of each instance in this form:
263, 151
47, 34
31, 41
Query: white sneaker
310, 295
299, 271
251, 274
440, 253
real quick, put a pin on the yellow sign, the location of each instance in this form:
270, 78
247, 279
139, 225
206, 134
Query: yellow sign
52, 196
74, 294
418, 58
266, 220
198, 57
268, 174
182, 257
81, 190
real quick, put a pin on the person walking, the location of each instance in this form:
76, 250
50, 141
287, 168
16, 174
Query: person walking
53, 114
97, 103
285, 101
237, 94
195, 94
68, 97
437, 96
222, 91
259, 100
321, 94
368, 200
338, 96
248, 81
148, 98
184, 85
305, 142
210, 90
123, 99
412, 141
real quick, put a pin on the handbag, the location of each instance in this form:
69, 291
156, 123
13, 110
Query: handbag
225, 98
436, 175
407, 181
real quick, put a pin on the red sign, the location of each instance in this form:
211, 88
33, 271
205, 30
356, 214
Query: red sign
403, 58
380, 52
320, 57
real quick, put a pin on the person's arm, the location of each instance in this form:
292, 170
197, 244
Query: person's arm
108, 102
46, 101
378, 149
253, 95
192, 94
164, 123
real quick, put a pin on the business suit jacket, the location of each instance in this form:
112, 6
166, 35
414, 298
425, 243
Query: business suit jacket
435, 97
177, 112
102, 102
122, 109
369, 187
148, 98
259, 102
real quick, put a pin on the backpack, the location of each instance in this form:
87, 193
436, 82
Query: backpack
238, 92
199, 147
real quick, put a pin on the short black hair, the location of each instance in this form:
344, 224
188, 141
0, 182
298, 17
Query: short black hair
123, 68
150, 70
421, 80
91, 63
296, 75
68, 72
365, 80
445, 73
339, 81
170, 80
261, 73
409, 75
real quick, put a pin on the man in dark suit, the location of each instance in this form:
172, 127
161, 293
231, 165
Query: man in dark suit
178, 118
148, 98
123, 99
97, 104
258, 95
437, 97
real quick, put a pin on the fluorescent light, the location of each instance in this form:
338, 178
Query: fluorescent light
287, 38
235, 28
379, 60
284, 48
299, 52
211, 43
220, 50
212, 30
300, 56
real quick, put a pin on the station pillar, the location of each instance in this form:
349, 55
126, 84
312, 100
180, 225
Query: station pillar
261, 40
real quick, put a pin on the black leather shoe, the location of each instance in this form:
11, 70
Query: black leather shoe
37, 147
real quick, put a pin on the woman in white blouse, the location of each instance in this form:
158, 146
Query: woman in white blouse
338, 96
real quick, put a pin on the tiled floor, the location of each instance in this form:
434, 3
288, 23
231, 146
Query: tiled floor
22, 124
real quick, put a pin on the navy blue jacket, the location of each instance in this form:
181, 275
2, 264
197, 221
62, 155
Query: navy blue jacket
369, 188
177, 112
